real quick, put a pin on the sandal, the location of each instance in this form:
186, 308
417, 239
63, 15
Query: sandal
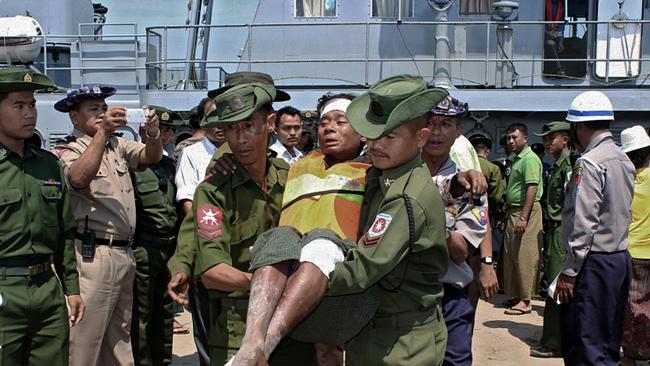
510, 302
515, 311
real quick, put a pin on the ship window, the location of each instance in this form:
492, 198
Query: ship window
315, 8
475, 7
390, 8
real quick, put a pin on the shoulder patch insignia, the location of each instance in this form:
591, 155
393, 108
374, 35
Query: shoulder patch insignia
209, 220
3, 153
577, 174
379, 226
27, 78
481, 215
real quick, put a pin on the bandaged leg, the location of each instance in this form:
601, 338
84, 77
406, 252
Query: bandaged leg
305, 289
322, 253
267, 285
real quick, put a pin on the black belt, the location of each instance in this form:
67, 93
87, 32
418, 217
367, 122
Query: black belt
112, 243
31, 271
152, 239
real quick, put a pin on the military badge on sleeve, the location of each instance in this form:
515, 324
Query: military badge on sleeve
481, 215
377, 229
209, 220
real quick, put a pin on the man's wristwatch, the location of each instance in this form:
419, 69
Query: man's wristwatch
487, 260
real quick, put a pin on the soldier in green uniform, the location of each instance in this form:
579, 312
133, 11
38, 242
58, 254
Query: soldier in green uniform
556, 142
229, 212
36, 230
157, 222
401, 252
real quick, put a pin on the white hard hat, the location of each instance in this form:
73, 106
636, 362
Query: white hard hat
634, 138
590, 106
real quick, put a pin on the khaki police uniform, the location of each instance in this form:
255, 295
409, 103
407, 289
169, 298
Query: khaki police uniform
595, 222
157, 222
106, 281
36, 235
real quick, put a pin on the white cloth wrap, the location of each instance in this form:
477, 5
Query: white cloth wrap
338, 104
323, 253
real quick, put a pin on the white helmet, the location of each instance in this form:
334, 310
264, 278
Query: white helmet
590, 106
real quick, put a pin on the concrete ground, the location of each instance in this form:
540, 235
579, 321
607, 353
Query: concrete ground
499, 339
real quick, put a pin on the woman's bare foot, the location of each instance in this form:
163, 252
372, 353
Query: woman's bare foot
249, 357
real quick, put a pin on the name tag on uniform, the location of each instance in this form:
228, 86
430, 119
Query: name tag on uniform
51, 183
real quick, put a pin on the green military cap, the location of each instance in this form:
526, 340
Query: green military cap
238, 104
167, 117
554, 127
480, 138
16, 79
247, 77
391, 103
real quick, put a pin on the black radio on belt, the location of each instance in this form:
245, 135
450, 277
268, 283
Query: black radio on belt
87, 242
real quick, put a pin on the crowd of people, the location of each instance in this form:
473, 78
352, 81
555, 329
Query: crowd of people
368, 244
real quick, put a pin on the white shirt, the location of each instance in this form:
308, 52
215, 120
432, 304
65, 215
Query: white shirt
190, 170
283, 154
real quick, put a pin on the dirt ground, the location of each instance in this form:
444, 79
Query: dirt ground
499, 339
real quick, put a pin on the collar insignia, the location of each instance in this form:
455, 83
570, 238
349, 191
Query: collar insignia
164, 116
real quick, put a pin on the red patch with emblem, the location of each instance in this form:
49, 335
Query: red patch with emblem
209, 220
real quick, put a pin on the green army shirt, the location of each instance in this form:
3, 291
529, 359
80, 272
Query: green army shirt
231, 212
560, 174
384, 255
155, 194
526, 169
496, 187
35, 213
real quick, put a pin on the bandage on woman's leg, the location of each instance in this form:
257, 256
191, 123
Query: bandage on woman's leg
267, 285
304, 291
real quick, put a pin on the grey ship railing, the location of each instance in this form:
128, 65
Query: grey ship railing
164, 65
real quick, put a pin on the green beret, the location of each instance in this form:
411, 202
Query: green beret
238, 104
247, 77
167, 117
391, 103
554, 127
16, 79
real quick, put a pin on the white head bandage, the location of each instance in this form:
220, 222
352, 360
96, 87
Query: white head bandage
338, 104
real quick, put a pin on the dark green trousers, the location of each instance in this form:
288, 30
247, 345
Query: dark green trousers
33, 321
227, 333
153, 314
401, 340
552, 266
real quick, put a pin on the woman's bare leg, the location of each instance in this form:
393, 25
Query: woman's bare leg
267, 285
304, 291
